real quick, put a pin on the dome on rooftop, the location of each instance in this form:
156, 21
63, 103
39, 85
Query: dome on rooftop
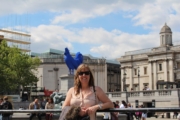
165, 29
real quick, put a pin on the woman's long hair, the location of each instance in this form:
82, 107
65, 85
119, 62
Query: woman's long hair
52, 101
73, 113
77, 83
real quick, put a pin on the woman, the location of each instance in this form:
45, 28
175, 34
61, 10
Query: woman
49, 105
85, 94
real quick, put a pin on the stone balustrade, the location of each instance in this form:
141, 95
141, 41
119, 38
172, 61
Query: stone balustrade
142, 93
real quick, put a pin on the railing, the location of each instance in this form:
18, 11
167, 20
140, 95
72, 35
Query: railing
130, 110
156, 112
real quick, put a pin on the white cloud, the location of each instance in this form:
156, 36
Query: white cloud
108, 44
151, 14
69, 11
154, 15
120, 44
49, 37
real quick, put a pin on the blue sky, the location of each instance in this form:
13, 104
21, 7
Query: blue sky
102, 28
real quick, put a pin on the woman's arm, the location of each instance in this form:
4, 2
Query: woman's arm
68, 98
106, 102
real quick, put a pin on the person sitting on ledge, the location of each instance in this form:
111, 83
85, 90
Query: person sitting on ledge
34, 105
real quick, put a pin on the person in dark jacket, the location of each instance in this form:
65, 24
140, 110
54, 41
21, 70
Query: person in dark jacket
6, 105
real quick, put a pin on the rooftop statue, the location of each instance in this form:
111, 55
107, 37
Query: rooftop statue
71, 62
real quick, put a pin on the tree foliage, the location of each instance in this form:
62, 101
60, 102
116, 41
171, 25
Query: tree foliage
16, 68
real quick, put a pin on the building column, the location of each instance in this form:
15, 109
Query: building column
150, 76
56, 78
105, 78
122, 72
155, 75
130, 78
171, 72
165, 70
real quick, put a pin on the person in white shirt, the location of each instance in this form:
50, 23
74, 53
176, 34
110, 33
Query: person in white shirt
123, 105
146, 88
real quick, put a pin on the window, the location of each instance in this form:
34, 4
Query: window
160, 67
167, 39
161, 87
163, 39
136, 87
145, 70
135, 71
178, 65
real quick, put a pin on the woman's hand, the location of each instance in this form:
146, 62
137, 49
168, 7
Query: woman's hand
83, 111
92, 109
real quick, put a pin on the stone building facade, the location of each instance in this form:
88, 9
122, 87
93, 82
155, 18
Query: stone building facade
53, 66
155, 68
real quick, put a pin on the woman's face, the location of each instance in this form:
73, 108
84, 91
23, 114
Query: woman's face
84, 76
49, 101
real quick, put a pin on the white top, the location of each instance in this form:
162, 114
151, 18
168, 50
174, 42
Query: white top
122, 106
106, 115
147, 89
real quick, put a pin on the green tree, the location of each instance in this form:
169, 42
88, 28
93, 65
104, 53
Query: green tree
16, 68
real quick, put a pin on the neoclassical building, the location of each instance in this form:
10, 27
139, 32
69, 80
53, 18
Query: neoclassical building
156, 68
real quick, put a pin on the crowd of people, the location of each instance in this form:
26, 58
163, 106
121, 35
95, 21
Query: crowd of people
46, 104
130, 115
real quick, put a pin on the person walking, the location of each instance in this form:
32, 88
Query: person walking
49, 105
34, 105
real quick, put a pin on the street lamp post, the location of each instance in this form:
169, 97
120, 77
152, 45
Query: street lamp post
36, 90
138, 78
41, 81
